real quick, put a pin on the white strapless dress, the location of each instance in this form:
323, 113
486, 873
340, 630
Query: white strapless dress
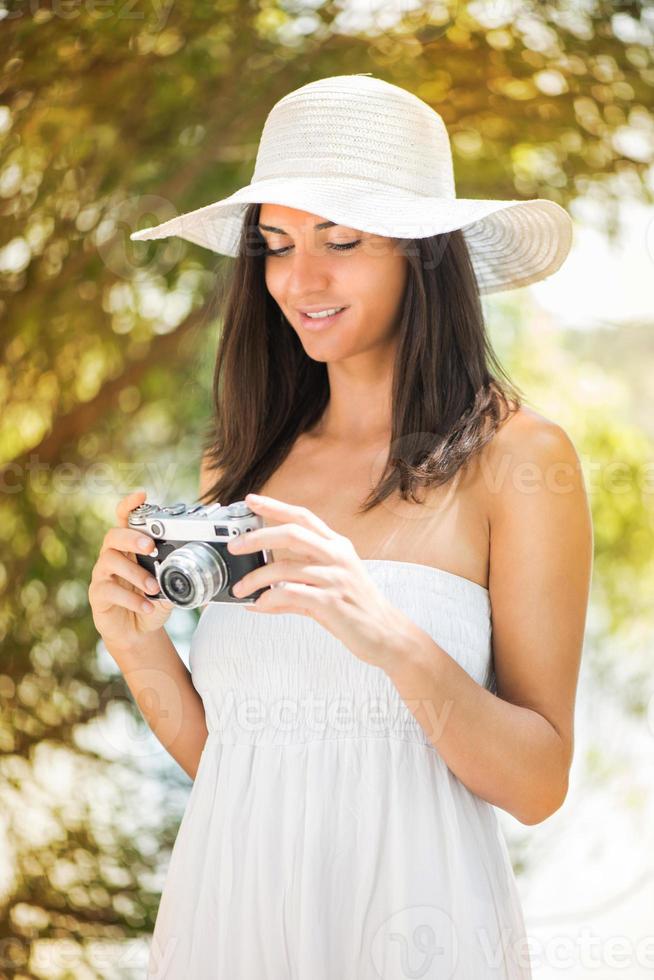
324, 838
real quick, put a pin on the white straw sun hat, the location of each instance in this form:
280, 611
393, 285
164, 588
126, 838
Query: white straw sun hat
362, 152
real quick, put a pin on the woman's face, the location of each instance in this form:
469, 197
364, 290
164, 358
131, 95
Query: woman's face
315, 272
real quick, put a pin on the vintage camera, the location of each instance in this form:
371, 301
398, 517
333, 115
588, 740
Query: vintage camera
192, 564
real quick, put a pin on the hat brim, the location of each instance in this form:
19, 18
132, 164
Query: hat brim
512, 243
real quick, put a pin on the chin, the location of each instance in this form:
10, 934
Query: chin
324, 355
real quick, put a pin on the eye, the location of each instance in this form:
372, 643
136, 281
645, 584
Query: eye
336, 247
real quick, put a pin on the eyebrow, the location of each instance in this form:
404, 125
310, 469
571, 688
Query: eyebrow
319, 227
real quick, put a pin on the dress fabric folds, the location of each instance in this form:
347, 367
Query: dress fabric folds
324, 838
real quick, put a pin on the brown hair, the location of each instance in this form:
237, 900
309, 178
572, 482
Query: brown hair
448, 395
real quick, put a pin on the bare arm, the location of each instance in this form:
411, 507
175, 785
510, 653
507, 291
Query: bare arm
163, 690
515, 749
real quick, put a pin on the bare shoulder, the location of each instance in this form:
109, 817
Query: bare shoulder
527, 450
525, 430
534, 484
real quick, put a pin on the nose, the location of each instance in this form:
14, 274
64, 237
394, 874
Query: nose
308, 275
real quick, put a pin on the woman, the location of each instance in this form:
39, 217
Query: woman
414, 664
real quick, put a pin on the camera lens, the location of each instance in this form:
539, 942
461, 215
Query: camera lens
192, 575
179, 584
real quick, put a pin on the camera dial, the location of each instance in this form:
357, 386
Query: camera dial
139, 513
238, 509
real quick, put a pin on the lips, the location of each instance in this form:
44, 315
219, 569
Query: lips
319, 322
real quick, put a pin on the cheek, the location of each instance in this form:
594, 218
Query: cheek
382, 286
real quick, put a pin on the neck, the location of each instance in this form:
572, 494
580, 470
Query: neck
359, 407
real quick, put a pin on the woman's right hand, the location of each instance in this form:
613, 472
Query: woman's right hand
118, 583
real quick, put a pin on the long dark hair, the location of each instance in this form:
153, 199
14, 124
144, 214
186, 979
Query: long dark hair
450, 393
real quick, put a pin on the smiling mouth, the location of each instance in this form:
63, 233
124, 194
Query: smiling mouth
314, 323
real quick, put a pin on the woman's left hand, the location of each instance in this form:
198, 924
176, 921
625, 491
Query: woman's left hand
328, 582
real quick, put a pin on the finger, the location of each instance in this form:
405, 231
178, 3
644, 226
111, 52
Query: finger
126, 539
124, 506
106, 594
116, 563
279, 510
285, 570
297, 597
303, 541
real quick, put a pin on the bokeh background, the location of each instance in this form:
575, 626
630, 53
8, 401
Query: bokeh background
116, 115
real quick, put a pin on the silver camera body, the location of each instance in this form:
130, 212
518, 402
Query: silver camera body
192, 564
